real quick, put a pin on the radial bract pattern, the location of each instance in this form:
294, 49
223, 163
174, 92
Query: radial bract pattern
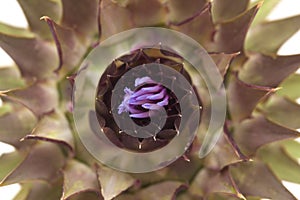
142, 113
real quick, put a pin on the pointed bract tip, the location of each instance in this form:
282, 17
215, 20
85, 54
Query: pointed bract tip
259, 4
45, 18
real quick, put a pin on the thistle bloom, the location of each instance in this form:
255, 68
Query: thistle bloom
248, 162
148, 96
147, 102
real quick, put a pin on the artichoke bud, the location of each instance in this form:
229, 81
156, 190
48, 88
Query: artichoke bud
143, 114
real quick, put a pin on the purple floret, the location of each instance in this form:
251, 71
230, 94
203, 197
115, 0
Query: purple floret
149, 96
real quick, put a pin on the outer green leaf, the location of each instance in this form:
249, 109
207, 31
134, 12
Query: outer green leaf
256, 179
223, 61
253, 198
5, 109
34, 57
210, 181
14, 31
23, 193
186, 196
162, 191
109, 13
224, 10
147, 179
78, 178
86, 196
264, 11
54, 128
35, 9
16, 124
258, 131
267, 71
292, 148
113, 182
10, 78
230, 35
45, 192
40, 190
40, 98
200, 28
223, 196
65, 89
180, 170
183, 170
290, 87
268, 37
69, 47
147, 12
9, 162
81, 16
221, 155
283, 111
280, 163
43, 162
243, 97
82, 153
122, 3
180, 11
137, 13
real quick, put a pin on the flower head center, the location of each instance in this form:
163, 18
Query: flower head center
148, 97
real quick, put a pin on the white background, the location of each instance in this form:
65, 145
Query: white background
11, 13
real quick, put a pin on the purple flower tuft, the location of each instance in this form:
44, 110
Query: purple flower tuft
148, 96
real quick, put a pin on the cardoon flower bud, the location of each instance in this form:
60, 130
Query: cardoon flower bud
142, 100
147, 85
